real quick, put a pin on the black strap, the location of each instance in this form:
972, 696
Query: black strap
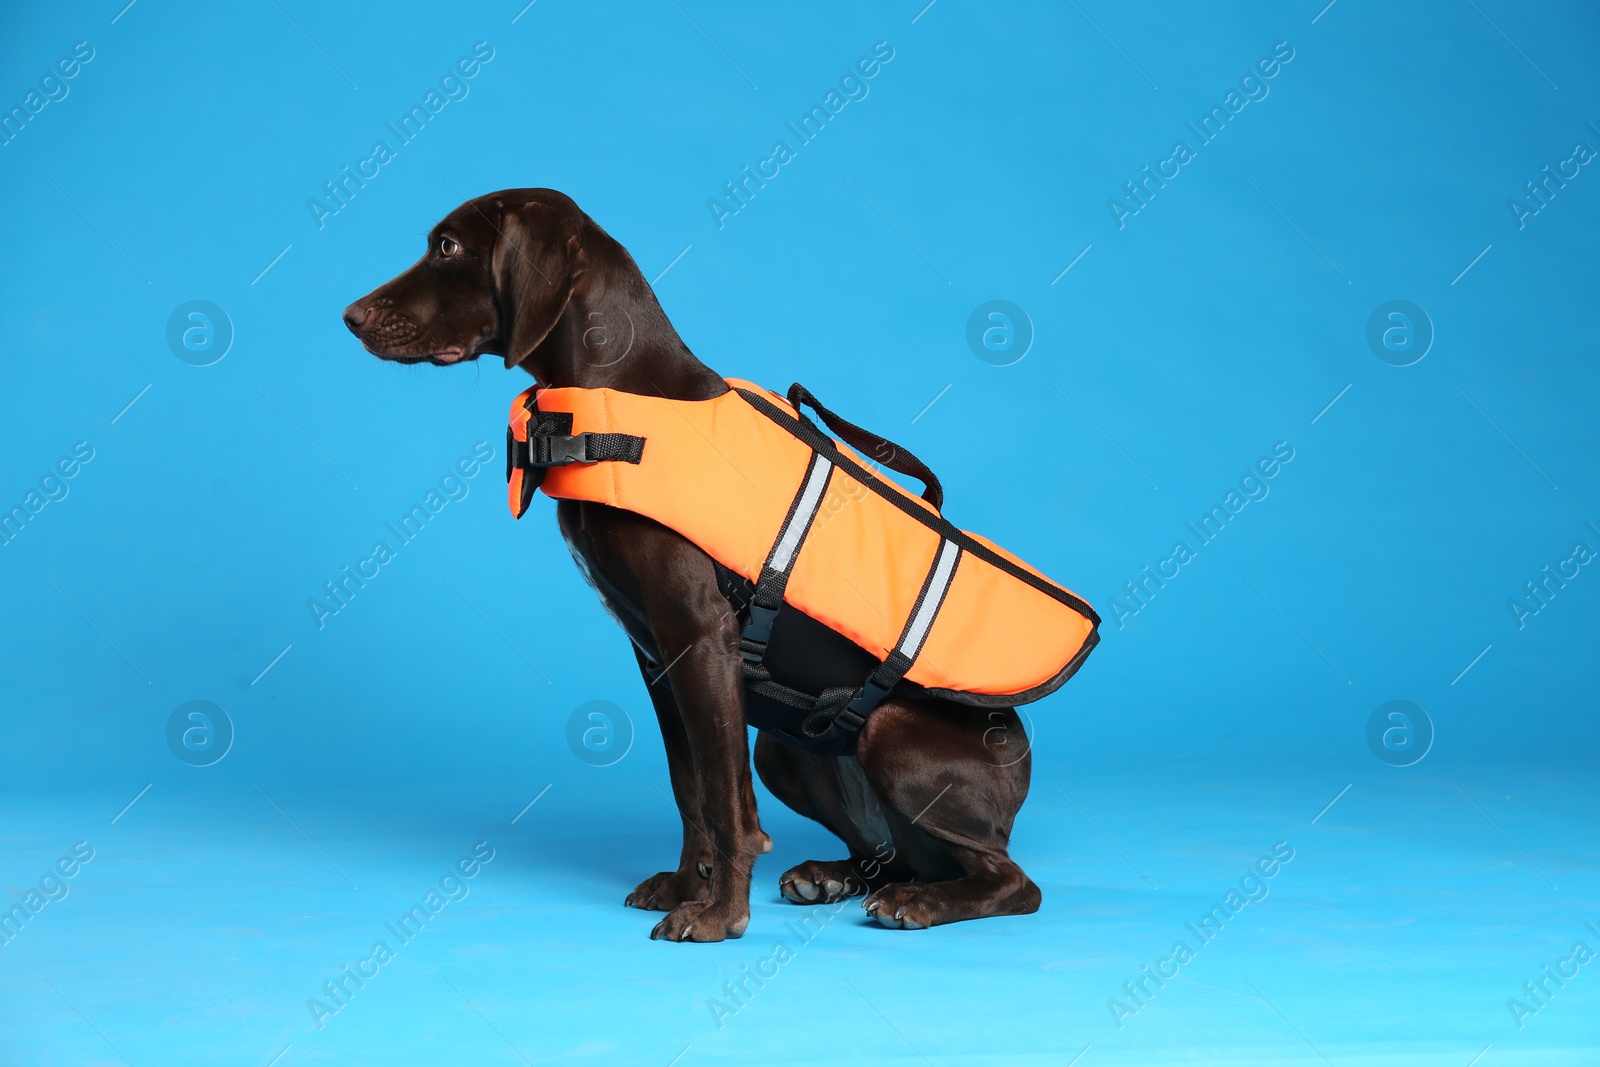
551, 443
559, 451
923, 614
872, 446
767, 598
774, 577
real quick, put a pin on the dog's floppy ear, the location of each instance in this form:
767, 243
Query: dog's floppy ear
537, 261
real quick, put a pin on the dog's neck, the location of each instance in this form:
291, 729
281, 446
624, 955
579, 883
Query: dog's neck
614, 335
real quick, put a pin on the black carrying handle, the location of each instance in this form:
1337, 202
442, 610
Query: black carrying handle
872, 446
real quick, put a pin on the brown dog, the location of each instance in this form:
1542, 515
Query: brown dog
926, 801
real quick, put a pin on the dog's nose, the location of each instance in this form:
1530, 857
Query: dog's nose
355, 315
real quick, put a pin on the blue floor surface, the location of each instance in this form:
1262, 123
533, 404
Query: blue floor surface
204, 927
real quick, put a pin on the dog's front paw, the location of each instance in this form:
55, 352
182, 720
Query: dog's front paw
702, 920
903, 907
665, 891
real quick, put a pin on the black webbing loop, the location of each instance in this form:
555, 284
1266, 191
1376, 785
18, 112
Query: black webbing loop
830, 717
872, 446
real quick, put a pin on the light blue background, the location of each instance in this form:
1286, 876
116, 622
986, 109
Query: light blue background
1222, 319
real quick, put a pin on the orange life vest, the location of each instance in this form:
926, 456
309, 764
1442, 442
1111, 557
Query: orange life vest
819, 542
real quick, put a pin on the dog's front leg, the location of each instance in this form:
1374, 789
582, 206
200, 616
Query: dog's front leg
672, 584
665, 891
707, 681
689, 617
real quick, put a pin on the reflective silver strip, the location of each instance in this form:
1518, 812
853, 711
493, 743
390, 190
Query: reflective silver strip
943, 570
810, 499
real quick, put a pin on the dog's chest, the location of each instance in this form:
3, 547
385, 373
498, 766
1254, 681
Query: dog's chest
623, 611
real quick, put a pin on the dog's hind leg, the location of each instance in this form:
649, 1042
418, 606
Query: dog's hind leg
951, 779
834, 792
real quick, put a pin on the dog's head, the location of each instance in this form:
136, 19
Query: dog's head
497, 277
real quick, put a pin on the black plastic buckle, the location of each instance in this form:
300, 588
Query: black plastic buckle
849, 720
544, 450
758, 630
558, 451
754, 653
756, 633
869, 696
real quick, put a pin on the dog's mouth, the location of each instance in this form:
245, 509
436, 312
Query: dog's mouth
401, 342
443, 358
392, 335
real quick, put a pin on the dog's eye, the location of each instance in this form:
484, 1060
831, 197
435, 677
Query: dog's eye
448, 247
